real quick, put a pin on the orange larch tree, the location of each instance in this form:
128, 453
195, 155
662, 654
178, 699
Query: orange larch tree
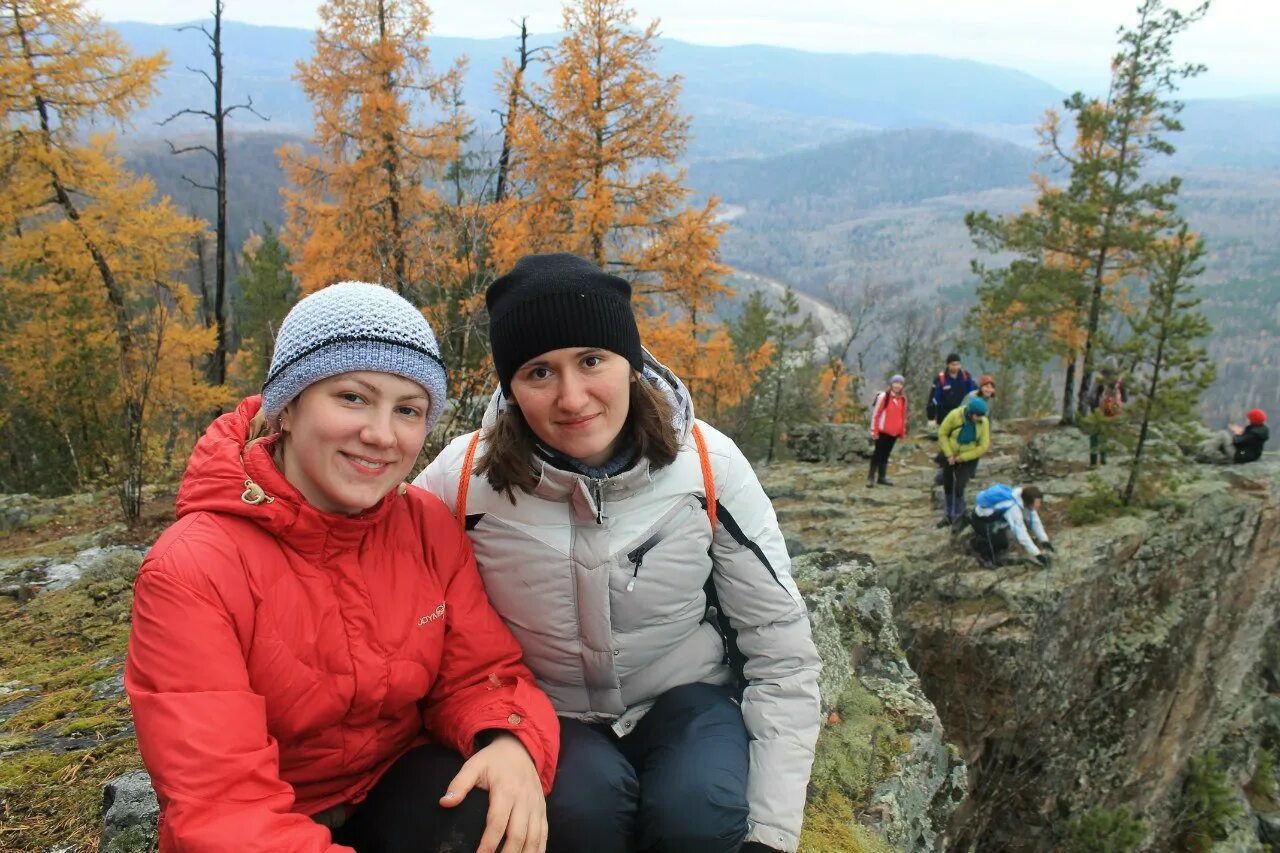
360, 207
594, 153
90, 263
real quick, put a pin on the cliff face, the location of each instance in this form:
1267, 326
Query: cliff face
1090, 685
884, 776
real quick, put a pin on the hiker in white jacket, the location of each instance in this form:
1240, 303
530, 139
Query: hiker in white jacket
635, 556
1000, 510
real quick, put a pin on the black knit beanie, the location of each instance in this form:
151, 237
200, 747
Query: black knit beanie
549, 302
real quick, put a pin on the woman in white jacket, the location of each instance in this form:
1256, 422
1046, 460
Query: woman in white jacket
639, 563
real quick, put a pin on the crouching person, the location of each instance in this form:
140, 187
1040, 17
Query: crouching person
634, 554
1237, 444
1000, 510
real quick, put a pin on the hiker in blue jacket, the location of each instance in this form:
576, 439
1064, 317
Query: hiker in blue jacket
950, 387
1001, 509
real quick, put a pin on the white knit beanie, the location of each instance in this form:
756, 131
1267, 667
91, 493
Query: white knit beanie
347, 327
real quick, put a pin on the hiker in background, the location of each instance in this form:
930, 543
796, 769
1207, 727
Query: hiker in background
1238, 444
950, 387
986, 390
1107, 397
888, 424
999, 509
615, 533
962, 440
313, 663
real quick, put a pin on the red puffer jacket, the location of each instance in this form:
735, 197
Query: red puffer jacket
283, 658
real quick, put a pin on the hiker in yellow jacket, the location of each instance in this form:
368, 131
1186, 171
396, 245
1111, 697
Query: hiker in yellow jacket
963, 437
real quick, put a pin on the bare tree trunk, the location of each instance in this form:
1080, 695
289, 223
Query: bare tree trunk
218, 374
508, 121
218, 115
1068, 389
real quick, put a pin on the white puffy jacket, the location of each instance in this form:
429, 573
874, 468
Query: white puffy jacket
602, 583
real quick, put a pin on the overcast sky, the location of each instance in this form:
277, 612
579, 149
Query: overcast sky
1067, 43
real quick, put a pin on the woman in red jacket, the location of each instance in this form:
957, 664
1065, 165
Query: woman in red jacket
888, 424
313, 664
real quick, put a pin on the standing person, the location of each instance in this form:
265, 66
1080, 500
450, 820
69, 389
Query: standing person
1107, 396
986, 390
1238, 444
888, 424
1000, 509
963, 437
950, 387
614, 533
313, 664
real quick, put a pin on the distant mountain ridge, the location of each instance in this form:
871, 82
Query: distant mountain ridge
778, 97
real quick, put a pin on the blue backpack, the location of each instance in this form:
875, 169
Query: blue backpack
992, 496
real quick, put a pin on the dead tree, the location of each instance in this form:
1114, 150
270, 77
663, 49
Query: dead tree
218, 115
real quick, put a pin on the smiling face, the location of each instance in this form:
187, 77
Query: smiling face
988, 389
895, 387
352, 438
576, 401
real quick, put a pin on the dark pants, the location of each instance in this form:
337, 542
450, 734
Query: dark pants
1097, 449
676, 784
402, 812
955, 478
990, 540
880, 456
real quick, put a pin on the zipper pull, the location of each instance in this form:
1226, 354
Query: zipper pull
599, 500
637, 560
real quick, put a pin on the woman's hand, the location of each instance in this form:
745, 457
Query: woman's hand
517, 809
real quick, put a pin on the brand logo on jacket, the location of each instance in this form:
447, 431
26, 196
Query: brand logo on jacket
432, 616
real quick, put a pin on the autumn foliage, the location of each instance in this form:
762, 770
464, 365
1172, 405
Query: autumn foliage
360, 207
102, 342
99, 345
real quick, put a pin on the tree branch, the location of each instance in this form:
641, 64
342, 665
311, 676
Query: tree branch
205, 148
186, 112
199, 185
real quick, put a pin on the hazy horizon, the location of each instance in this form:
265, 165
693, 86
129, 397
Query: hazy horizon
1065, 44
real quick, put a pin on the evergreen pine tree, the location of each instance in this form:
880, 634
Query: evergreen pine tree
1171, 368
1080, 239
267, 292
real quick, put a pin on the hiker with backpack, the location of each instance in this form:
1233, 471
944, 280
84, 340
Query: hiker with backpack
950, 387
1107, 397
963, 438
615, 533
888, 424
1000, 510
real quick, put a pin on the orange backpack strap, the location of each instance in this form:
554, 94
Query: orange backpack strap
464, 479
708, 475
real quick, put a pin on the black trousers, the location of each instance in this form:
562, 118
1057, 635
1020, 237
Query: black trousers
954, 480
880, 456
676, 784
990, 539
402, 813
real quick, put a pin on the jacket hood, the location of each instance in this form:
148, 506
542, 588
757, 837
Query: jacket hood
231, 471
657, 374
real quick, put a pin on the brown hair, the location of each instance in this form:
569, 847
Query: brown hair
1031, 494
507, 461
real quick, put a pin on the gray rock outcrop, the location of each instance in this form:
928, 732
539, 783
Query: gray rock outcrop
1088, 686
130, 812
905, 788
